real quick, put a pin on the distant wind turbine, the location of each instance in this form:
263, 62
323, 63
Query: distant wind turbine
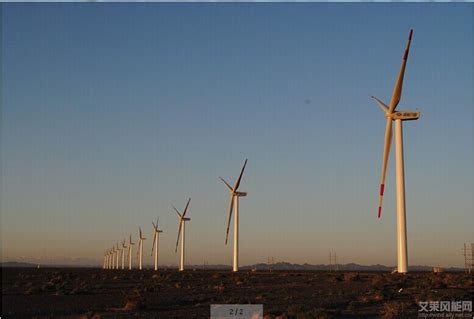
234, 205
156, 238
140, 249
108, 259
397, 117
123, 254
117, 256
182, 224
130, 244
113, 257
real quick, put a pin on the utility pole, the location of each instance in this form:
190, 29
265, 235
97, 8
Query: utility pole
468, 258
333, 266
472, 257
270, 264
330, 261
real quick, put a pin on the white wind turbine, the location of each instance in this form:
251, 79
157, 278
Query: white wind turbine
156, 238
117, 257
234, 205
182, 224
397, 117
113, 257
104, 266
123, 253
130, 244
140, 249
107, 255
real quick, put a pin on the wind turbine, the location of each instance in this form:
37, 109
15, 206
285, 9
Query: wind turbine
234, 205
140, 249
123, 254
156, 237
113, 257
117, 256
130, 244
397, 117
182, 224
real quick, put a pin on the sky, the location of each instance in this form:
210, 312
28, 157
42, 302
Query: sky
112, 113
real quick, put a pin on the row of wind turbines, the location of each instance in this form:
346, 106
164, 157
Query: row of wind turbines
111, 258
113, 255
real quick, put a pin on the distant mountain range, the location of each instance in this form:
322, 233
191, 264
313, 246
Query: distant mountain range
263, 266
322, 267
17, 264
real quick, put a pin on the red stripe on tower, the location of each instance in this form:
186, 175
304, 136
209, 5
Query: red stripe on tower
382, 186
380, 211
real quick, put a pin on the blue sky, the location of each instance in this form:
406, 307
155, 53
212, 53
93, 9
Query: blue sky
112, 113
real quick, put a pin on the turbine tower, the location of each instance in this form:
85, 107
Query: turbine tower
182, 224
123, 254
156, 238
130, 244
234, 205
140, 249
397, 117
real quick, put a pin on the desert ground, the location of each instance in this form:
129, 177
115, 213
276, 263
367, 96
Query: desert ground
98, 293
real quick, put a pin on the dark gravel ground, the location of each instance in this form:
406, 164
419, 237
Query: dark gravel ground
98, 293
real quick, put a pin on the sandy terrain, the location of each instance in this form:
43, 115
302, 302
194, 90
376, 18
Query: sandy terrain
97, 293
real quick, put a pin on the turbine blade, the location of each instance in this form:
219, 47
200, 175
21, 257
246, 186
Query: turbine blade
386, 153
230, 216
187, 205
397, 90
237, 184
177, 212
381, 104
153, 246
227, 184
140, 231
177, 240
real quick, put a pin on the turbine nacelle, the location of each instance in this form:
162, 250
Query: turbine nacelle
240, 194
405, 115
397, 115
